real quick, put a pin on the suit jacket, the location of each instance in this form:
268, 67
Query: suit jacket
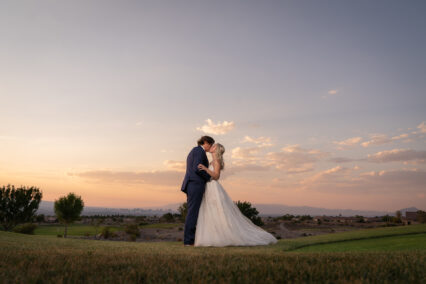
195, 157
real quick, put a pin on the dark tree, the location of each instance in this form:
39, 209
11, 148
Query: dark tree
183, 210
250, 212
68, 209
306, 217
398, 217
40, 218
168, 217
387, 218
287, 217
18, 205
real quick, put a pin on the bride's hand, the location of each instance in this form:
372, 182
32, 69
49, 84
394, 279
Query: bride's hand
202, 167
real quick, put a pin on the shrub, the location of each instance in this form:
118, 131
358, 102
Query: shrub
168, 217
27, 228
107, 233
360, 219
183, 210
132, 229
132, 237
287, 217
40, 218
305, 217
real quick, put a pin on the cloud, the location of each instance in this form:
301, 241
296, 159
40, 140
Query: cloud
406, 137
331, 92
238, 167
248, 158
344, 160
398, 155
376, 139
401, 179
260, 141
381, 139
179, 166
421, 127
343, 180
217, 128
248, 154
350, 142
294, 159
326, 175
168, 178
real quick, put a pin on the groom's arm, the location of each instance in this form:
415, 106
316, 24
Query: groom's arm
198, 159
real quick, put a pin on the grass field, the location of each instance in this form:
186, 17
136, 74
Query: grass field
81, 230
383, 255
73, 230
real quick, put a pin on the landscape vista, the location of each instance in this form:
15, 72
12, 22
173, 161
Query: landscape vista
320, 106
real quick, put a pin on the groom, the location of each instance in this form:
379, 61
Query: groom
194, 185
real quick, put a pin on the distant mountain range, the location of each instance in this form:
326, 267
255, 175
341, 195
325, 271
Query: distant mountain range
46, 208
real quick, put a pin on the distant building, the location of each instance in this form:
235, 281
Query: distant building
411, 216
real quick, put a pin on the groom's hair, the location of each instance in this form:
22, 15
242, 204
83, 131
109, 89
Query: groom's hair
207, 139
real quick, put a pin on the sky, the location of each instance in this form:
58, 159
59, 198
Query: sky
318, 103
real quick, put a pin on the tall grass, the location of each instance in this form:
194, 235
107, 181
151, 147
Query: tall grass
41, 259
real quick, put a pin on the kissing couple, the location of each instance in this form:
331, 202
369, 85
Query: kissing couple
213, 219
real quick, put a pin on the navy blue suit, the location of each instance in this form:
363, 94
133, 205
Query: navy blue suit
194, 186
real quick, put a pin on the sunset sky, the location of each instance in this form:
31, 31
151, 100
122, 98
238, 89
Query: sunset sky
318, 103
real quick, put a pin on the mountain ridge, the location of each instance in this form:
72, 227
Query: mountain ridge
46, 207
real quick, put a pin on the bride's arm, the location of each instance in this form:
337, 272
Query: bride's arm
214, 174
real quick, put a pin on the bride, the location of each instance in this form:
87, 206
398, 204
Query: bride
220, 222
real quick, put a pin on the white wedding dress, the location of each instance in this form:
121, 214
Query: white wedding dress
220, 222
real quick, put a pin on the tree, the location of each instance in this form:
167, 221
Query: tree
387, 218
183, 210
360, 218
398, 217
168, 217
40, 218
250, 212
68, 209
306, 217
287, 217
97, 221
18, 205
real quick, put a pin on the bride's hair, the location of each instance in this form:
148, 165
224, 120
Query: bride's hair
219, 155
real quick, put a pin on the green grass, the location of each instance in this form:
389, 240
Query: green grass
73, 230
362, 234
163, 225
81, 229
37, 258
393, 243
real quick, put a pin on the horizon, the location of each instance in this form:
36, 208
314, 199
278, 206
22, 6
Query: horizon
164, 206
318, 104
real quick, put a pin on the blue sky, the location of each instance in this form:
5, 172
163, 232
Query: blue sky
123, 86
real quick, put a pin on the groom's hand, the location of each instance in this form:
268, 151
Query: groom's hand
202, 167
